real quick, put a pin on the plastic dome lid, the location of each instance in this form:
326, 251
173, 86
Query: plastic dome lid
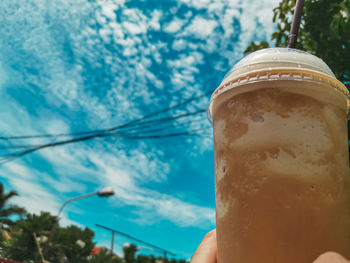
278, 63
272, 58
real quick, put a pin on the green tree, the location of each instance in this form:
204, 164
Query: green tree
72, 243
143, 259
129, 253
69, 244
7, 210
22, 246
324, 32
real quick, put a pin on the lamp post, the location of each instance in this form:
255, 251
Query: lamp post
105, 192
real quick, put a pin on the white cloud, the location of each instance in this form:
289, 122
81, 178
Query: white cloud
68, 162
153, 207
174, 26
101, 18
64, 184
184, 70
56, 126
200, 3
19, 170
134, 28
254, 17
106, 34
187, 214
201, 27
109, 10
179, 44
228, 19
124, 173
154, 22
33, 196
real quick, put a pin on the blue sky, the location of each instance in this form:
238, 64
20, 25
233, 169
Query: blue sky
70, 66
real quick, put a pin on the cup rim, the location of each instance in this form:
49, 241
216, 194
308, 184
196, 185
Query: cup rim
280, 74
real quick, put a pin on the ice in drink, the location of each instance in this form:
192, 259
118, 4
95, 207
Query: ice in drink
281, 160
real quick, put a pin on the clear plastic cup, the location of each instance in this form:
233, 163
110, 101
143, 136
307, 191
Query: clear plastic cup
281, 159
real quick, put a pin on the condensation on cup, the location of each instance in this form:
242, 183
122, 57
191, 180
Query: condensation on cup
281, 159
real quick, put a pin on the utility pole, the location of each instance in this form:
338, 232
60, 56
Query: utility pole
112, 242
113, 233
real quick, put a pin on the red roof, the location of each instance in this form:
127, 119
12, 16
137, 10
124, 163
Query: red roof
95, 251
2, 260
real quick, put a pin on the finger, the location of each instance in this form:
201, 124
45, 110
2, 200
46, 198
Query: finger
207, 250
331, 257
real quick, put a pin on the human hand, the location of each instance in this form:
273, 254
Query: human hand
207, 250
331, 257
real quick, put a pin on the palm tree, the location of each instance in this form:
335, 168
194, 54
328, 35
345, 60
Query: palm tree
6, 209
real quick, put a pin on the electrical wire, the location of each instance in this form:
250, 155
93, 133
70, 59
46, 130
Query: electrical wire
133, 122
133, 130
121, 133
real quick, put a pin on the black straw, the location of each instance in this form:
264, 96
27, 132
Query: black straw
293, 35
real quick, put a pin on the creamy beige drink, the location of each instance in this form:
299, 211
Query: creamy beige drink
281, 160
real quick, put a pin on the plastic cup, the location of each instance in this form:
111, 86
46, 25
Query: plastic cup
281, 160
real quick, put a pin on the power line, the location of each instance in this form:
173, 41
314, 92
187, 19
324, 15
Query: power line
133, 122
10, 157
104, 134
133, 130
137, 129
121, 133
136, 239
190, 133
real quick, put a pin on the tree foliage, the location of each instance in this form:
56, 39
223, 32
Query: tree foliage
144, 259
129, 253
324, 32
22, 245
72, 243
69, 244
7, 210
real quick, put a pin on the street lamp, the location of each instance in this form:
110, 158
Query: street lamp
105, 192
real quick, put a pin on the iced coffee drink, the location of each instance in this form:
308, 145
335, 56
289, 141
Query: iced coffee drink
281, 160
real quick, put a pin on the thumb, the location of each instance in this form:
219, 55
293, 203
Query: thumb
207, 250
331, 257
